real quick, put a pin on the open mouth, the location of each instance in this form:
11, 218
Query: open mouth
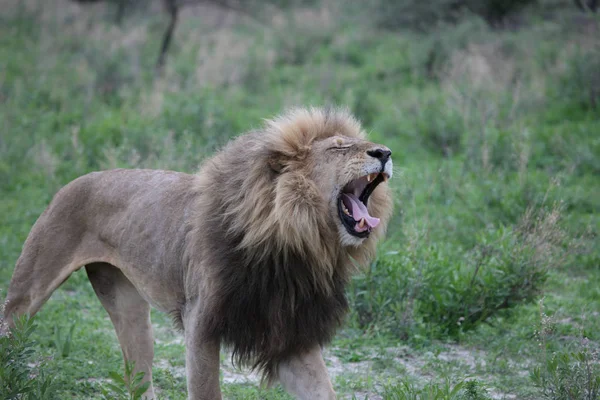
352, 204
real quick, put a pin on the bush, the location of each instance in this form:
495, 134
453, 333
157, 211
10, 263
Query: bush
499, 273
566, 374
569, 375
580, 82
465, 390
445, 293
566, 145
20, 377
383, 298
440, 128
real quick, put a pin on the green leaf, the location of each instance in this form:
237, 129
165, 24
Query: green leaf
140, 390
116, 389
115, 376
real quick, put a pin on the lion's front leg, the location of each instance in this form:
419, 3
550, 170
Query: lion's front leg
305, 376
201, 361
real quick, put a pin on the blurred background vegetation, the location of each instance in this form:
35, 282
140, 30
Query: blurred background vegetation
488, 283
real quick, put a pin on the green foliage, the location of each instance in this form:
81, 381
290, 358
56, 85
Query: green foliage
127, 387
415, 14
63, 346
569, 375
453, 292
465, 390
19, 380
580, 82
383, 296
567, 144
439, 127
251, 392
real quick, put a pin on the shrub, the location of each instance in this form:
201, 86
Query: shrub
580, 82
499, 273
566, 145
566, 374
20, 377
433, 289
440, 127
383, 298
464, 390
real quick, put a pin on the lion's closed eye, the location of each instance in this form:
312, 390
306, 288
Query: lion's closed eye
340, 148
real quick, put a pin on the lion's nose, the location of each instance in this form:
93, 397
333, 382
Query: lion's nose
381, 153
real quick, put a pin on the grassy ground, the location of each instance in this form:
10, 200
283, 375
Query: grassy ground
490, 271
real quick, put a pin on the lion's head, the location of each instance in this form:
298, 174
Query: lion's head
308, 182
347, 171
329, 174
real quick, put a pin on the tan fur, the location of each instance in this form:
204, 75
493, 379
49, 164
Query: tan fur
248, 253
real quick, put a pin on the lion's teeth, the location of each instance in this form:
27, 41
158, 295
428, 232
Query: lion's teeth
385, 177
369, 178
361, 224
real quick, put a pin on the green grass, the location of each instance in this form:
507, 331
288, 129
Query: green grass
490, 271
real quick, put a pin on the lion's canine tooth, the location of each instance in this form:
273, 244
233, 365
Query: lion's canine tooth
385, 177
361, 224
369, 178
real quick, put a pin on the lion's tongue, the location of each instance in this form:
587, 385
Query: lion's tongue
359, 212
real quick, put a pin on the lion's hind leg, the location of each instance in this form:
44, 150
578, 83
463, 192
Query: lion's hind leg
130, 315
50, 255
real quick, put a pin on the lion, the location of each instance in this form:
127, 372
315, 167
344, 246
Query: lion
253, 252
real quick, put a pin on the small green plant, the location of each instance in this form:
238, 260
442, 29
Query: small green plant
475, 390
580, 83
63, 346
127, 387
19, 378
565, 374
464, 390
439, 127
569, 375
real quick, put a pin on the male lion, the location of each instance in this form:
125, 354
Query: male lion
253, 252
